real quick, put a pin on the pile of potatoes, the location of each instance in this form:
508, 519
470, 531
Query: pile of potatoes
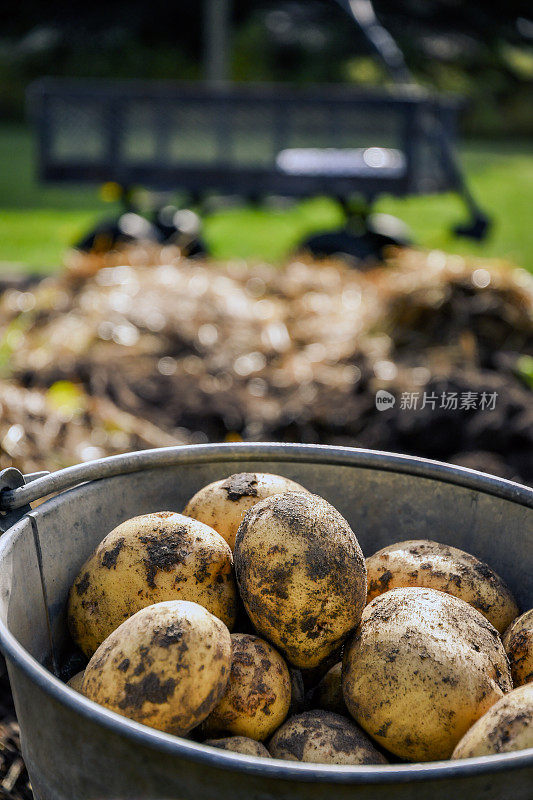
416, 654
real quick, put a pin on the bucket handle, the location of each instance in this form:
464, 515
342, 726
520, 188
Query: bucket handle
18, 491
11, 480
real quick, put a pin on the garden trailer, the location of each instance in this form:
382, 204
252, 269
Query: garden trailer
255, 141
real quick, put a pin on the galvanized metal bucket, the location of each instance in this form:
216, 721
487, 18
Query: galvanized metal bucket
77, 750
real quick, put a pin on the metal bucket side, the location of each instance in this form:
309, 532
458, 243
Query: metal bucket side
82, 756
22, 605
58, 757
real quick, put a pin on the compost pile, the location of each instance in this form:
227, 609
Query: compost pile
144, 348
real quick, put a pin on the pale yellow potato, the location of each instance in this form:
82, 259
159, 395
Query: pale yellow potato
167, 666
321, 737
506, 727
422, 667
301, 575
420, 562
518, 643
328, 695
76, 681
223, 504
240, 744
258, 692
147, 560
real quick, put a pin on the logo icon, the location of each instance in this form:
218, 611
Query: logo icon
384, 400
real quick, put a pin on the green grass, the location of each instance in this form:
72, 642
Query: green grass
37, 223
501, 179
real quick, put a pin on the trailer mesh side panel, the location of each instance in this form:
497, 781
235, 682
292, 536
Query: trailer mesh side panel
230, 140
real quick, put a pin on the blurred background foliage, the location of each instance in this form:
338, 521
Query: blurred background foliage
480, 49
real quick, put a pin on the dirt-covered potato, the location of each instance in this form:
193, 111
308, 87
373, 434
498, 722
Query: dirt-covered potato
518, 643
240, 744
167, 666
223, 504
328, 695
76, 681
147, 560
321, 737
422, 667
301, 575
420, 562
258, 692
507, 726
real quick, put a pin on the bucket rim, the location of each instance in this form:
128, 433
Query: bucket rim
276, 768
362, 458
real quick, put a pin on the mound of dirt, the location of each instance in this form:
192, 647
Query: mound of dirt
145, 348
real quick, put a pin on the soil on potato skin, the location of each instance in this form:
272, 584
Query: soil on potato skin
143, 348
